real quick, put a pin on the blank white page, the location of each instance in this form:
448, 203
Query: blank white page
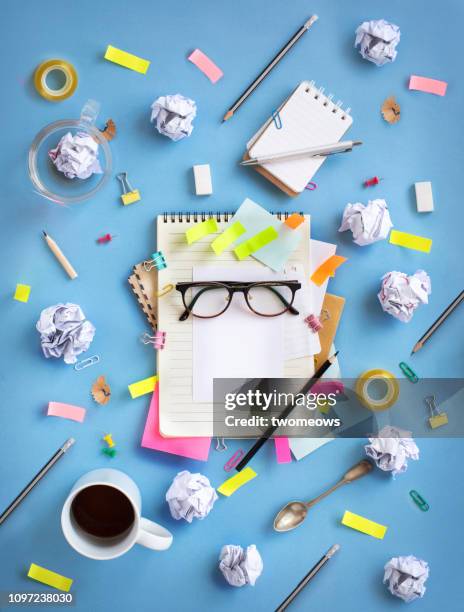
308, 119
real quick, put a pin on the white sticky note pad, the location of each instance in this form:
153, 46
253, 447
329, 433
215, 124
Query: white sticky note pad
203, 183
424, 196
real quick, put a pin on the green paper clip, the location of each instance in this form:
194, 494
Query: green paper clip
111, 452
419, 500
408, 372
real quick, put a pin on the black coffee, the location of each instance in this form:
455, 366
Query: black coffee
102, 511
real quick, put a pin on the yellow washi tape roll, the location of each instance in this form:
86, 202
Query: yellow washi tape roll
391, 395
70, 84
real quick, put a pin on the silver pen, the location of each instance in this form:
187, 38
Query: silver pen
318, 151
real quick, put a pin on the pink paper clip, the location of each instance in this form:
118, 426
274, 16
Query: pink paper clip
234, 460
158, 340
311, 186
314, 323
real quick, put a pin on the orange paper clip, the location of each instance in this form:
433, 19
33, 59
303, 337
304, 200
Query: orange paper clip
326, 269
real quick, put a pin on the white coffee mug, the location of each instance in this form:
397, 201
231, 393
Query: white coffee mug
141, 530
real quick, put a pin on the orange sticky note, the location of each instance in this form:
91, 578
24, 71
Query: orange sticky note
326, 269
294, 221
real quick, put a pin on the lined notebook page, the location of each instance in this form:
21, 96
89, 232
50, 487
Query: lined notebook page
308, 119
179, 415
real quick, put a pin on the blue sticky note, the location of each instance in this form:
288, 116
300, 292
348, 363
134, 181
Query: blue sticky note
255, 219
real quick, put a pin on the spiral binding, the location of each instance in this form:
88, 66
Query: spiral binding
179, 217
328, 100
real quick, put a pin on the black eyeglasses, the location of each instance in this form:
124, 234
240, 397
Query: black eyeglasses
209, 299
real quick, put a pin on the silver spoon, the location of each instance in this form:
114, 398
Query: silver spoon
294, 513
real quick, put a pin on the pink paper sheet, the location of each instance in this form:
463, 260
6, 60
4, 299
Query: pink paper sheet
194, 448
282, 449
428, 85
207, 66
66, 411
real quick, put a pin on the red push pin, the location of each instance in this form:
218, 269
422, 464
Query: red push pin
375, 180
106, 238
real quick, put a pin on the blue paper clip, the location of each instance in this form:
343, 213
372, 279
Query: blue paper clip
311, 186
86, 363
157, 261
408, 372
277, 120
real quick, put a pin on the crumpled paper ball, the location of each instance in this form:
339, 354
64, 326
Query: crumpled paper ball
401, 294
391, 449
377, 40
173, 116
190, 496
369, 223
239, 566
64, 331
406, 577
76, 156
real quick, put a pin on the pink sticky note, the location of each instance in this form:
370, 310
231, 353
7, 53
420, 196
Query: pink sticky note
66, 411
194, 448
282, 448
428, 85
207, 66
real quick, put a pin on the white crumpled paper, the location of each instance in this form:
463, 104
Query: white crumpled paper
406, 577
173, 116
239, 566
391, 449
377, 40
76, 156
64, 331
368, 223
190, 496
401, 294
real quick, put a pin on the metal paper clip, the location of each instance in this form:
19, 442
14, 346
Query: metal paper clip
221, 445
419, 500
129, 195
325, 315
436, 418
234, 460
165, 290
86, 363
277, 120
408, 372
158, 340
311, 186
157, 261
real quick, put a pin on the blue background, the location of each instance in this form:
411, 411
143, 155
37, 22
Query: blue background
240, 36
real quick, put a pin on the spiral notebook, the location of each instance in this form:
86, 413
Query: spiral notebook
179, 415
307, 118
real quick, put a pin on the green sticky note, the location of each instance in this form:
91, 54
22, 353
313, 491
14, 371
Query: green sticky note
200, 230
231, 234
256, 242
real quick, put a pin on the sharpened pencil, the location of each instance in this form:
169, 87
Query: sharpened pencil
441, 319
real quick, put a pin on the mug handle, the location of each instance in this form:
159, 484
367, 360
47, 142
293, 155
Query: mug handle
151, 535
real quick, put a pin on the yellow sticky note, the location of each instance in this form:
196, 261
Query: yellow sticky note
142, 387
256, 242
363, 524
410, 241
22, 293
227, 237
118, 56
48, 577
130, 197
200, 230
232, 484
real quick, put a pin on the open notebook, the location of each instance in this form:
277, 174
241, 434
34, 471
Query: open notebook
307, 118
179, 415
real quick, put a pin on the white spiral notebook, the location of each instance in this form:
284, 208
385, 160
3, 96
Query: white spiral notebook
179, 414
307, 118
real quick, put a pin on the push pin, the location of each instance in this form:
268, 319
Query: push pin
158, 340
109, 440
375, 180
436, 418
157, 261
129, 195
105, 238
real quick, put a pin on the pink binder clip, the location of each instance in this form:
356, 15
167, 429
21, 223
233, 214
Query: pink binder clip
158, 340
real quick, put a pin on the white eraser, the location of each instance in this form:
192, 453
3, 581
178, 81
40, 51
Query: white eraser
202, 175
424, 197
